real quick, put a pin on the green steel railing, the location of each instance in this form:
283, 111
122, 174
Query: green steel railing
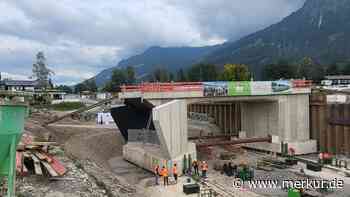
12, 119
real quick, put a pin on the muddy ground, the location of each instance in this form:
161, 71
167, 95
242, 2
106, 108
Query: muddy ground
89, 153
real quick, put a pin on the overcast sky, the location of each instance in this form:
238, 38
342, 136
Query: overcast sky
82, 37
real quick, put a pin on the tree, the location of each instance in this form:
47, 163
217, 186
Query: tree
346, 69
235, 72
130, 75
119, 77
333, 69
65, 89
307, 69
81, 87
160, 74
91, 84
180, 75
304, 68
202, 72
278, 71
171, 77
87, 85
41, 72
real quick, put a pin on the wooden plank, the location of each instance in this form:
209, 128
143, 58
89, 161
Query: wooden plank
40, 156
49, 169
27, 139
37, 167
57, 166
19, 162
43, 144
43, 156
27, 155
22, 147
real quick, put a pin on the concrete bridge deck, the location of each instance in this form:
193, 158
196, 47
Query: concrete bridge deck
280, 109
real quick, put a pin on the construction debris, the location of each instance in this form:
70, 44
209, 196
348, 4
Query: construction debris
32, 159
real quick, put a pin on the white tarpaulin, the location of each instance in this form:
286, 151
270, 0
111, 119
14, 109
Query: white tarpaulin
104, 118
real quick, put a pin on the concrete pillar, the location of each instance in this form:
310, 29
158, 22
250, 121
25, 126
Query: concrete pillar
287, 117
171, 126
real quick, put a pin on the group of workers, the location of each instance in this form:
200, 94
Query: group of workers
164, 173
203, 166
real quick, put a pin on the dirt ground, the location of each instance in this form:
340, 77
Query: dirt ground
85, 150
93, 156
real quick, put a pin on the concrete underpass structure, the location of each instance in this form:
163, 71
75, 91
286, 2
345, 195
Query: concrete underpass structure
284, 115
170, 123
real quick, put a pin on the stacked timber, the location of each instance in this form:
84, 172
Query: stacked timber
33, 158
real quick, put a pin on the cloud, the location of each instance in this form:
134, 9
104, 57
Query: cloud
87, 36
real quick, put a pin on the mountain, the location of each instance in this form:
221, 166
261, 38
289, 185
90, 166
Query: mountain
320, 30
172, 58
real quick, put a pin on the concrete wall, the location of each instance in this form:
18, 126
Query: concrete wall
148, 156
260, 118
170, 121
294, 117
286, 117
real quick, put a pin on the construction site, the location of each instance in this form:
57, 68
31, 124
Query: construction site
217, 137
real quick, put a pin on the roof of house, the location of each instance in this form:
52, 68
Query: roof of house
18, 83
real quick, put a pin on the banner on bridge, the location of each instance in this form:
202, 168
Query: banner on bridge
247, 88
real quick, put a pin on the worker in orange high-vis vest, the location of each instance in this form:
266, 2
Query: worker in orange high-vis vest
165, 175
175, 172
157, 174
204, 167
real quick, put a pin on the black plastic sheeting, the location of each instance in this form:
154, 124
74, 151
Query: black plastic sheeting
134, 115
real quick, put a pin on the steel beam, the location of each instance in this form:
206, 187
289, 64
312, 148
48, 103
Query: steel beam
238, 141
